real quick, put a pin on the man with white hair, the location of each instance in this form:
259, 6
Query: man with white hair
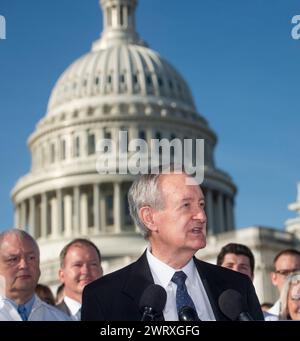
19, 273
169, 210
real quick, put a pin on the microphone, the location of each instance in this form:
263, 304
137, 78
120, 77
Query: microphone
232, 306
187, 313
152, 302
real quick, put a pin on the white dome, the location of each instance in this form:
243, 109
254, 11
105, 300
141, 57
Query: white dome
120, 85
122, 69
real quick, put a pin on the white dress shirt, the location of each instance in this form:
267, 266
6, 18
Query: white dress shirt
74, 307
273, 313
162, 275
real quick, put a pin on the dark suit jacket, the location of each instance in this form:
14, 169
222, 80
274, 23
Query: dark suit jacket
63, 307
115, 297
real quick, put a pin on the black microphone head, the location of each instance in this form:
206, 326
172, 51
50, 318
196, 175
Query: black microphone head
154, 297
231, 304
187, 313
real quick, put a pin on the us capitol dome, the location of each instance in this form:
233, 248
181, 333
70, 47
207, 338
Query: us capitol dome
119, 85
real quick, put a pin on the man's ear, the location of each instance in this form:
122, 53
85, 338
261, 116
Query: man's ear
273, 276
146, 215
61, 275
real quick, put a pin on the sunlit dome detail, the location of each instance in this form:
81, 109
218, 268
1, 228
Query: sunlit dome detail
120, 85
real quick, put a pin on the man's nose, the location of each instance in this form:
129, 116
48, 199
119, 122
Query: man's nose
84, 268
23, 263
200, 215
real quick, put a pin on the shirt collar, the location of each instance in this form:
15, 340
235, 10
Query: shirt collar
72, 304
28, 305
163, 273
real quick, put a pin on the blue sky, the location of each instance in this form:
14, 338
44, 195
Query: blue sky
238, 57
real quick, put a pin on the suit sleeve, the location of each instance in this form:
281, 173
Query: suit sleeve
90, 309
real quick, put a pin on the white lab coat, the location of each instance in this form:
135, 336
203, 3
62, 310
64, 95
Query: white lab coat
40, 311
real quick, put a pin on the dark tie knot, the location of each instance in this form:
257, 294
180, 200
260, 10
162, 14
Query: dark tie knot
179, 278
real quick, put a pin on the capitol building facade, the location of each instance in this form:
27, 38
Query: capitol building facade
121, 85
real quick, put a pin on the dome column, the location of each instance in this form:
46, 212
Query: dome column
96, 208
59, 218
76, 217
68, 215
229, 214
220, 213
54, 217
84, 214
44, 214
209, 211
32, 216
23, 214
17, 216
117, 207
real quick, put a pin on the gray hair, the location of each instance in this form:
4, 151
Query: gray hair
293, 278
21, 234
146, 191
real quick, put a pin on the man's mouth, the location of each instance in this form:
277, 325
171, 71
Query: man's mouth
196, 230
23, 276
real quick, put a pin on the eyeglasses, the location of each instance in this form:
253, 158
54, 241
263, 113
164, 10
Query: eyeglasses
286, 272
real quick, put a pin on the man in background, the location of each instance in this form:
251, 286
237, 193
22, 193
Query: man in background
285, 263
237, 257
80, 264
19, 274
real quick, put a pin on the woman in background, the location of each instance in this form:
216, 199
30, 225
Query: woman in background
290, 298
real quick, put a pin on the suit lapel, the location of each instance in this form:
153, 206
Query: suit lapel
139, 278
209, 282
63, 307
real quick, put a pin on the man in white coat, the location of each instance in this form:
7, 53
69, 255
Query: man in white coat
19, 275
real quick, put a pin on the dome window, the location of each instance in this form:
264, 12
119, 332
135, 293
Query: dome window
63, 149
85, 82
91, 144
135, 79
106, 109
77, 147
109, 209
149, 80
75, 115
97, 80
160, 82
142, 135
122, 78
109, 79
121, 15
107, 133
170, 85
52, 153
